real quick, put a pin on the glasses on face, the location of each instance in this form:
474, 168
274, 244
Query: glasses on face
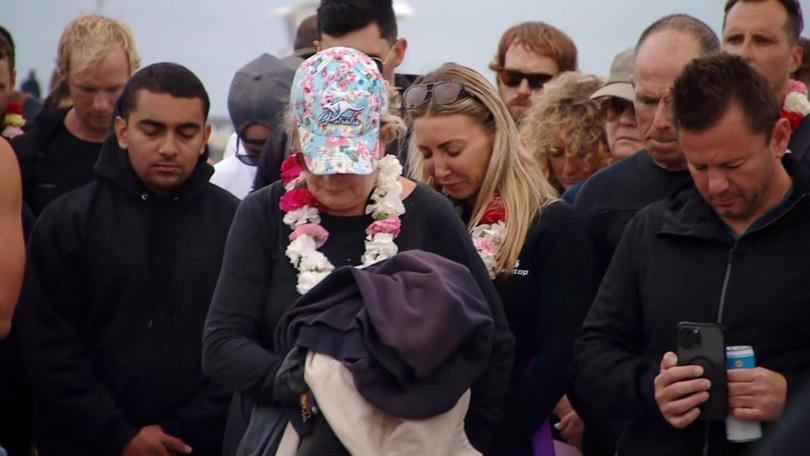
252, 150
442, 93
512, 78
615, 107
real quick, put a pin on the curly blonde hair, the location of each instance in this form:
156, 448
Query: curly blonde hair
392, 125
563, 112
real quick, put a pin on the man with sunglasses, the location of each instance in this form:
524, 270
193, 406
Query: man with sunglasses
529, 55
257, 100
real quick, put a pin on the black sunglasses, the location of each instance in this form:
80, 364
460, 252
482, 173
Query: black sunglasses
442, 93
251, 157
512, 78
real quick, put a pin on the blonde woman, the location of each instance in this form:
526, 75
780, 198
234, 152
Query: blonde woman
464, 144
565, 130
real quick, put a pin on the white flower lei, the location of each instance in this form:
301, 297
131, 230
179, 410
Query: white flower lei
312, 265
796, 106
797, 102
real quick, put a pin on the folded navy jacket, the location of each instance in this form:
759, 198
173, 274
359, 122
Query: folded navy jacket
415, 330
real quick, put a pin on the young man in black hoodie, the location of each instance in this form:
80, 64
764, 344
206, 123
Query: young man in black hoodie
732, 250
119, 281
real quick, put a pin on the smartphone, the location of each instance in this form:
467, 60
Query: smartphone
703, 344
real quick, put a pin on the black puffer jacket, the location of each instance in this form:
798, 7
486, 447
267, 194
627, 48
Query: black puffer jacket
674, 263
118, 285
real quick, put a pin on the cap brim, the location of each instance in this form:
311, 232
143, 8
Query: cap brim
304, 52
616, 89
323, 159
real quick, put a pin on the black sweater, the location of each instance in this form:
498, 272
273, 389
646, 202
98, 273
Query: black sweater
670, 267
257, 285
52, 160
117, 287
612, 196
545, 300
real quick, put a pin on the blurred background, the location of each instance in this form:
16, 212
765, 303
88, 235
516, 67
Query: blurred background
214, 38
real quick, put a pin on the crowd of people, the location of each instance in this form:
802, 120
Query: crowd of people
387, 263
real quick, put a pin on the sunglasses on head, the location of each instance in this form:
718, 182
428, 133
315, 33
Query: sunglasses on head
248, 154
512, 78
441, 93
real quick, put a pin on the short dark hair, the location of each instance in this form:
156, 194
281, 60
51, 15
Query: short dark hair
340, 17
169, 78
795, 21
708, 86
10, 53
707, 40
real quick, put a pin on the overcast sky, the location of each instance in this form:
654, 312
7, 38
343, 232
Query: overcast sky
214, 38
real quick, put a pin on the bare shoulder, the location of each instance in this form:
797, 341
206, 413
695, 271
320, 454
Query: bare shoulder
9, 170
10, 185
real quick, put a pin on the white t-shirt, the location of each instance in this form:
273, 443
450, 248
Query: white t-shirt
231, 174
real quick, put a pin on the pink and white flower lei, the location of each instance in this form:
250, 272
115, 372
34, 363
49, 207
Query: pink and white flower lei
796, 106
488, 236
302, 215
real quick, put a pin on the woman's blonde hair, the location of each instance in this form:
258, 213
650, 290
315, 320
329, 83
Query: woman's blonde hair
516, 180
563, 111
92, 38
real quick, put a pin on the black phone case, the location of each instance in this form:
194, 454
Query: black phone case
711, 355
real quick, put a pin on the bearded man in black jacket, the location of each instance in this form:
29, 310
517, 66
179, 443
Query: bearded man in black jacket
120, 276
732, 250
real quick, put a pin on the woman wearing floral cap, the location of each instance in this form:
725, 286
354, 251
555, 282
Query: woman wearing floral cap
464, 143
340, 202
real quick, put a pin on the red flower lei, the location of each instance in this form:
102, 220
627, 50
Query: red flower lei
495, 211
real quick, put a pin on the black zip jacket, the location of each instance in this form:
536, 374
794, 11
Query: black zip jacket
611, 197
799, 143
674, 263
118, 284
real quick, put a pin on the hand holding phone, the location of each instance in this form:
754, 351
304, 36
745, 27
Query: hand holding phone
703, 345
680, 391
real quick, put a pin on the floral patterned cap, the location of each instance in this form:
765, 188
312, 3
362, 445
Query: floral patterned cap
338, 100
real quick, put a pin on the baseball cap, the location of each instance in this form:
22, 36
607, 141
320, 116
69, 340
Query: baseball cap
338, 100
619, 82
259, 93
306, 33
